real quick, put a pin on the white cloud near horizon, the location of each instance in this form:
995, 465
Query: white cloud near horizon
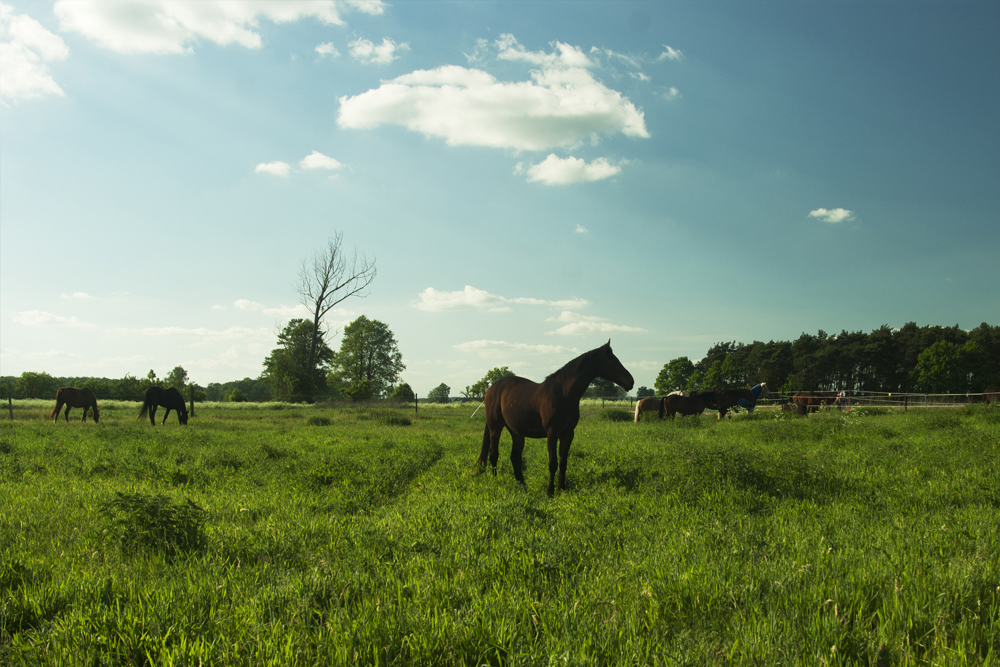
832, 215
492, 348
435, 301
277, 168
369, 53
579, 325
25, 48
554, 170
173, 26
317, 160
561, 105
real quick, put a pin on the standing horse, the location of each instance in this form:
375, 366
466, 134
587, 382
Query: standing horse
991, 395
811, 401
757, 390
548, 410
169, 398
693, 404
72, 397
648, 405
728, 398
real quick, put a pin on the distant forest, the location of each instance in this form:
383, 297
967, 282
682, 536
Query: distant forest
929, 359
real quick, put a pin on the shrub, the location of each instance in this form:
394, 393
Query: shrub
617, 415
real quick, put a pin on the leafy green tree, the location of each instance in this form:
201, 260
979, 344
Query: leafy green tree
439, 394
940, 369
177, 378
644, 392
478, 390
358, 390
36, 385
235, 396
695, 382
713, 377
731, 373
287, 369
368, 352
402, 393
674, 376
601, 388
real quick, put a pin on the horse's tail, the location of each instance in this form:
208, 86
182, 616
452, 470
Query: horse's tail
55, 411
637, 411
485, 453
145, 409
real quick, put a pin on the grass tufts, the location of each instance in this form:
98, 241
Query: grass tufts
142, 523
616, 415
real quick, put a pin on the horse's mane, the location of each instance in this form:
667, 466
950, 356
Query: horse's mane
572, 368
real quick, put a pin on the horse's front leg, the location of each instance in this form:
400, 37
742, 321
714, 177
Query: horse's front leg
552, 442
84, 420
165, 415
152, 415
66, 414
564, 442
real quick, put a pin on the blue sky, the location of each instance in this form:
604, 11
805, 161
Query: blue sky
532, 178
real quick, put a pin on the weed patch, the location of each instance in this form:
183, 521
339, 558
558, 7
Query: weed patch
145, 524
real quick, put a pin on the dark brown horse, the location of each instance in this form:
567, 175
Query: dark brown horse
728, 398
648, 405
169, 398
991, 395
811, 401
693, 404
548, 410
72, 397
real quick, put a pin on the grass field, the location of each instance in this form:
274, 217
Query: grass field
310, 536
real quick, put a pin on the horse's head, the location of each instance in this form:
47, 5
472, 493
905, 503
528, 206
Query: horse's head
183, 416
764, 391
609, 368
97, 413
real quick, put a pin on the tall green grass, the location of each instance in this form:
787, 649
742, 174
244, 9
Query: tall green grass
252, 538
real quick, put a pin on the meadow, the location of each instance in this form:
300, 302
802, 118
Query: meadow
316, 536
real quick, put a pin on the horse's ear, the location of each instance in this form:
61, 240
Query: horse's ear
608, 344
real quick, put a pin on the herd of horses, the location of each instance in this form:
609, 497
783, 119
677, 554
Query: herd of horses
169, 398
549, 410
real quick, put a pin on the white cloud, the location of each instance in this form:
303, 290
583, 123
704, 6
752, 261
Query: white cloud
492, 348
278, 168
561, 105
670, 53
25, 48
288, 312
327, 49
832, 215
671, 94
218, 307
317, 160
172, 26
365, 51
555, 170
436, 301
578, 325
580, 229
40, 318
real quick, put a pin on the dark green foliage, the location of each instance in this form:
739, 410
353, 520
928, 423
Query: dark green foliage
143, 523
477, 391
369, 360
286, 369
616, 415
402, 393
439, 394
318, 421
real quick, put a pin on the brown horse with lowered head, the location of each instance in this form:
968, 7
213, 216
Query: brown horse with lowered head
72, 397
811, 401
691, 404
648, 405
549, 410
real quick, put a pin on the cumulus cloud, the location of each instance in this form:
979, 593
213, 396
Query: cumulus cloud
555, 170
832, 215
436, 301
172, 26
277, 168
369, 53
561, 105
283, 311
327, 49
670, 53
25, 48
578, 325
491, 348
670, 93
40, 318
580, 229
317, 160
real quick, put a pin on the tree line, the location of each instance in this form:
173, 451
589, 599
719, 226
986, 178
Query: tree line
928, 359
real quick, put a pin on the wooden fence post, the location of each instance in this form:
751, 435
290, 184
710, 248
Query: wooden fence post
191, 387
415, 404
10, 403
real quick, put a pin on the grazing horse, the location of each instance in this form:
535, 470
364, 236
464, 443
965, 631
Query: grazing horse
810, 401
169, 398
72, 397
648, 405
693, 404
991, 395
728, 398
548, 410
757, 391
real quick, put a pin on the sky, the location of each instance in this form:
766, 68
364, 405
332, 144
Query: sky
532, 179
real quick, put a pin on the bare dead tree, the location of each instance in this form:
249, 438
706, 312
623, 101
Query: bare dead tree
331, 276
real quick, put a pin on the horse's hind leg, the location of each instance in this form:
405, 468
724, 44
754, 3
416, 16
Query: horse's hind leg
85, 408
564, 442
66, 414
495, 447
152, 414
516, 458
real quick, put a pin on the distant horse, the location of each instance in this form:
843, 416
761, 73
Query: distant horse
990, 395
648, 405
692, 404
548, 410
729, 398
169, 398
757, 391
811, 401
72, 397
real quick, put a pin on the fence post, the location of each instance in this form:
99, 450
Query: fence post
10, 403
191, 387
415, 408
